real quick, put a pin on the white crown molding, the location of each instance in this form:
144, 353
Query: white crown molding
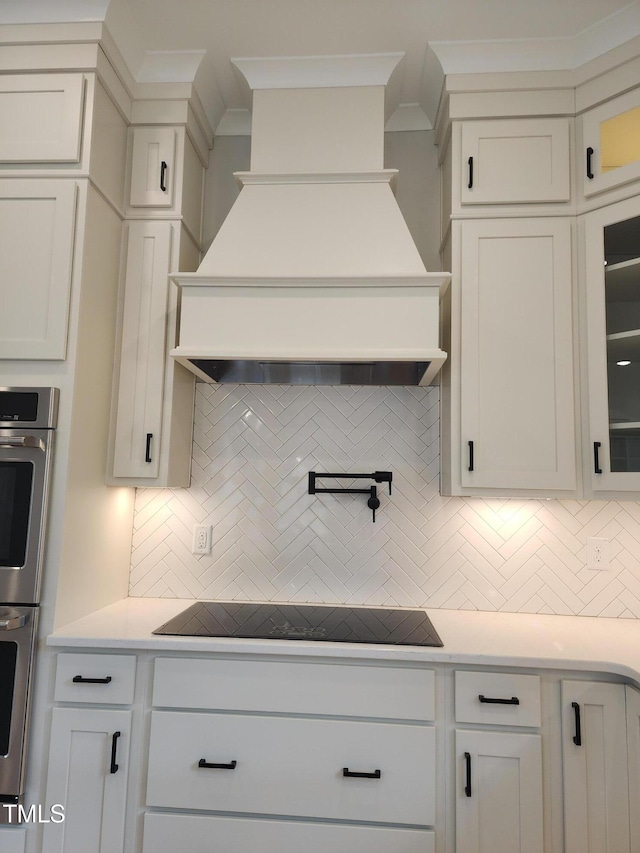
408, 117
305, 72
540, 54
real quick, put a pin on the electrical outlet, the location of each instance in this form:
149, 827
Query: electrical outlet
201, 539
597, 554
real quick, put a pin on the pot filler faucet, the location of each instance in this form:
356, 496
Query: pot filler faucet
374, 501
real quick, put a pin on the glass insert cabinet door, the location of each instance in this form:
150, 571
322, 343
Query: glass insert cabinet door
612, 275
611, 136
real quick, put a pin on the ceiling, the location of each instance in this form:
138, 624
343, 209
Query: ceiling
175, 39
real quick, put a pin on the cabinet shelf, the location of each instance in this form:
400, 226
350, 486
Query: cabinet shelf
625, 427
623, 281
624, 346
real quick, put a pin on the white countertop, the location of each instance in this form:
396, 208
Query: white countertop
469, 637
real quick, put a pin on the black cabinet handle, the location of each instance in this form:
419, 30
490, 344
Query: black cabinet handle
589, 169
470, 456
215, 766
487, 700
80, 679
114, 746
163, 175
470, 162
147, 452
596, 457
467, 785
375, 775
577, 738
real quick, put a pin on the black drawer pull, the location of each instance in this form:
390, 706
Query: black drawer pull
467, 785
470, 456
114, 746
80, 679
375, 775
470, 162
589, 167
577, 738
489, 701
596, 457
163, 175
147, 451
230, 766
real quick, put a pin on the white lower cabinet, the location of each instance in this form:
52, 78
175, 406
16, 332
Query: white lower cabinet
596, 785
88, 769
499, 792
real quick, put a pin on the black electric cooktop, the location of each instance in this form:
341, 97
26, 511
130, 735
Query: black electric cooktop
303, 622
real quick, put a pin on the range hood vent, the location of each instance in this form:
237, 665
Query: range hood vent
313, 278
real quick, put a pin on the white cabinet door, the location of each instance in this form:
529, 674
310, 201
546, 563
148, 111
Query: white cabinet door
611, 303
37, 220
633, 749
515, 161
88, 768
498, 793
516, 382
153, 167
144, 345
594, 750
611, 137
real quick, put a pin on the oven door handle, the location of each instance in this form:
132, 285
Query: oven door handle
22, 441
13, 623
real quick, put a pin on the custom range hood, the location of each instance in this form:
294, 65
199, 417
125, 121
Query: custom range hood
313, 277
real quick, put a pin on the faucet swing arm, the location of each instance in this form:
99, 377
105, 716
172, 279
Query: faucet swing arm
374, 501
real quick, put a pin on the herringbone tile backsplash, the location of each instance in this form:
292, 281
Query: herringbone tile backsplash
253, 449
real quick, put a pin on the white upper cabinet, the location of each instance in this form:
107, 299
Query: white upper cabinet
611, 138
37, 219
515, 161
153, 167
41, 118
611, 304
516, 359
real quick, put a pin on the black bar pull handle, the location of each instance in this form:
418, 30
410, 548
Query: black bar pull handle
353, 774
470, 456
489, 701
589, 166
80, 679
467, 784
147, 451
577, 738
163, 175
215, 766
470, 163
114, 747
596, 457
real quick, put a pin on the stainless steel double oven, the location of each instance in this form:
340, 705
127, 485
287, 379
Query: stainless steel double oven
27, 427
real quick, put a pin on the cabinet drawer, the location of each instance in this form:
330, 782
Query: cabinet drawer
41, 118
119, 669
295, 688
497, 698
292, 766
152, 167
200, 834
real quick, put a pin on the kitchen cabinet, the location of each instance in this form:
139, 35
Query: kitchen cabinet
152, 412
511, 354
499, 792
515, 161
262, 753
633, 749
611, 139
89, 753
596, 785
611, 309
37, 223
153, 167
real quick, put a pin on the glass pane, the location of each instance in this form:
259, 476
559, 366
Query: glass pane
622, 306
8, 657
15, 504
620, 140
